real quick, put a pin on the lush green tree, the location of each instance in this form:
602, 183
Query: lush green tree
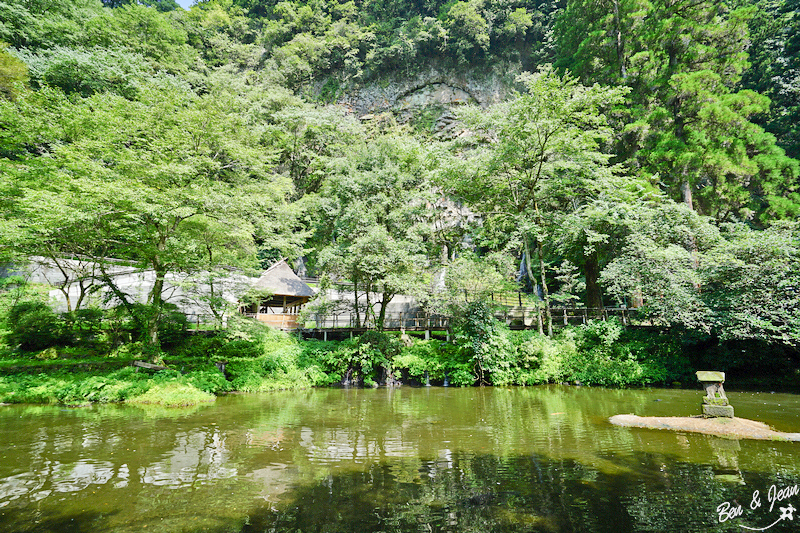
44, 23
309, 139
658, 266
13, 73
534, 150
468, 29
751, 280
161, 5
689, 126
596, 39
469, 278
592, 233
375, 223
775, 68
145, 178
487, 344
139, 29
88, 71
223, 34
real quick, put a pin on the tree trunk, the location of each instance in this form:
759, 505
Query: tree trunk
547, 312
368, 307
594, 296
157, 303
382, 313
156, 293
619, 42
529, 270
686, 193
355, 302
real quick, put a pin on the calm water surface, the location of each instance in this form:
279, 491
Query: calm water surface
424, 460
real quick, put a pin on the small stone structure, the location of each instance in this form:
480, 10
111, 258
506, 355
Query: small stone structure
715, 403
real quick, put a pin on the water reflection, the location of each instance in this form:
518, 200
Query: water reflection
431, 459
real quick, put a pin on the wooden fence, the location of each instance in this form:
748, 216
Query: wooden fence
514, 317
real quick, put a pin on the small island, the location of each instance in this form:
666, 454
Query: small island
737, 428
717, 417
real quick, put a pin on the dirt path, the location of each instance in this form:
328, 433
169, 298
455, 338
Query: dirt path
738, 428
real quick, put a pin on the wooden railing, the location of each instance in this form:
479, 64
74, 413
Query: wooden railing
526, 317
277, 320
392, 321
514, 317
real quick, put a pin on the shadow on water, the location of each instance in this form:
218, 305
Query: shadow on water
485, 493
81, 522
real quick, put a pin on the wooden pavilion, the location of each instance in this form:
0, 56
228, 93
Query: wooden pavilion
288, 295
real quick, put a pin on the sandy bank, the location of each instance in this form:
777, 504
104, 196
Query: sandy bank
738, 428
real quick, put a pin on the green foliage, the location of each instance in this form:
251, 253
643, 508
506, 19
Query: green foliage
373, 197
775, 42
750, 283
144, 30
172, 394
605, 360
688, 125
272, 360
533, 157
167, 210
192, 144
542, 359
471, 278
46, 23
34, 326
13, 73
443, 362
421, 357
600, 353
487, 343
166, 388
87, 71
211, 381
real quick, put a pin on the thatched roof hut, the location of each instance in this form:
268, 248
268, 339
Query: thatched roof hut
288, 293
280, 280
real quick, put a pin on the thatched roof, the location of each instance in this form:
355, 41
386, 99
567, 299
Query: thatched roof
281, 280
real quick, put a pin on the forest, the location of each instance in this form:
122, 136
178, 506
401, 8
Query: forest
634, 153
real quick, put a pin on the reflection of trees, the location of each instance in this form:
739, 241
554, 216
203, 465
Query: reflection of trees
482, 493
429, 459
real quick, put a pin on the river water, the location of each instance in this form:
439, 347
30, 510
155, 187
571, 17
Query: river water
385, 460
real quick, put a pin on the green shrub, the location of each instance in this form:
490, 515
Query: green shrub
607, 355
361, 360
47, 354
240, 348
172, 327
172, 394
443, 361
34, 326
130, 350
212, 381
201, 347
487, 343
421, 357
84, 325
542, 359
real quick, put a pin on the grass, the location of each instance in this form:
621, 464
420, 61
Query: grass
73, 388
173, 394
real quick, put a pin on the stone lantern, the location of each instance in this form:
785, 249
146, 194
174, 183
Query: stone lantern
715, 403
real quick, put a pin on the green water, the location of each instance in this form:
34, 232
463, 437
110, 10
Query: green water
408, 459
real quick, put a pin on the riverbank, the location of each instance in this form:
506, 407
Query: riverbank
250, 357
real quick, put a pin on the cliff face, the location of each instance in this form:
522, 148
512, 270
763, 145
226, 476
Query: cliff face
441, 89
